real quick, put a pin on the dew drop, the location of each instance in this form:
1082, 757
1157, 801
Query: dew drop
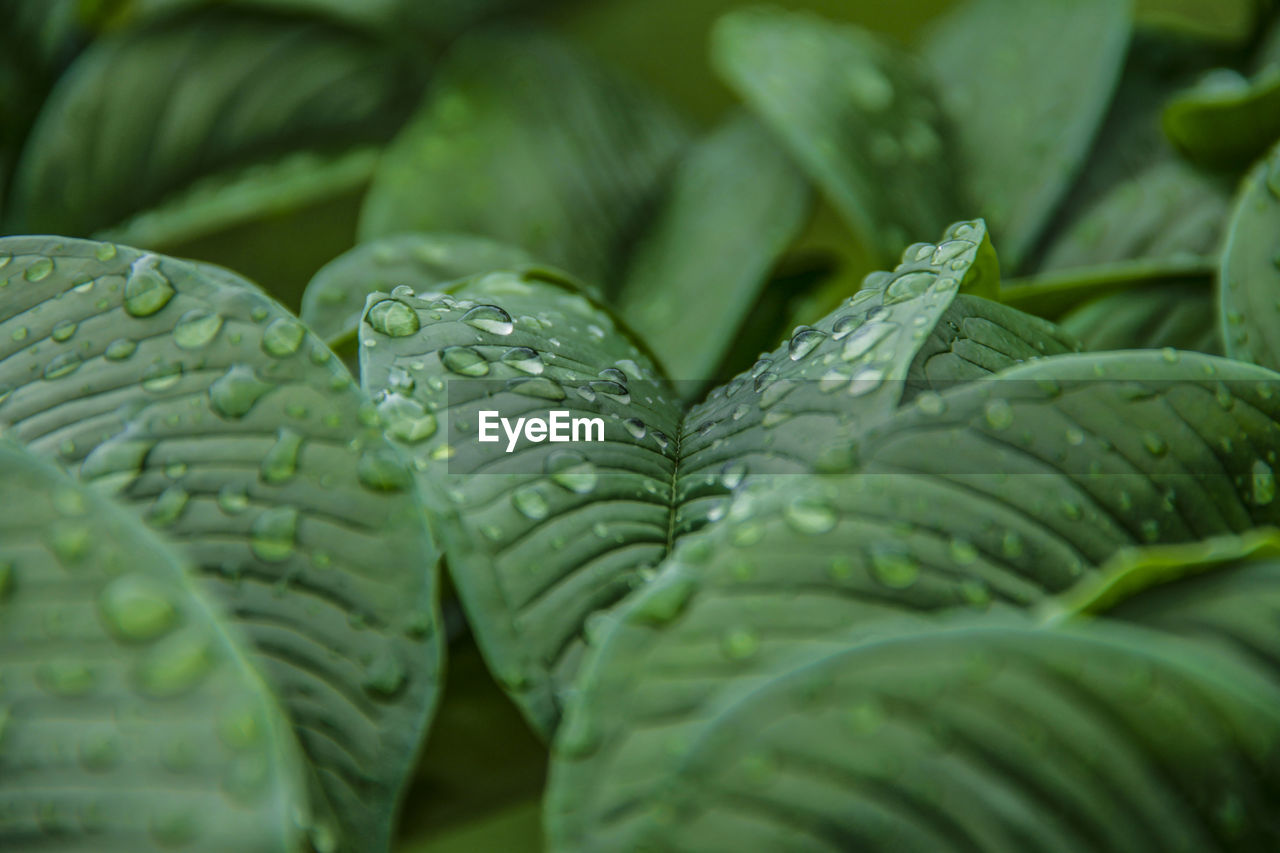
280, 462
40, 269
538, 387
893, 567
489, 318
196, 329
383, 470
572, 471
146, 289
810, 515
530, 502
1264, 483
464, 361
135, 607
176, 664
803, 342
393, 318
234, 393
524, 359
998, 414
273, 533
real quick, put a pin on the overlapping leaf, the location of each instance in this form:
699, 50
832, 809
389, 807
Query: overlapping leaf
335, 296
543, 150
1020, 153
541, 538
226, 424
985, 738
995, 495
141, 115
132, 718
857, 113
1227, 121
1248, 276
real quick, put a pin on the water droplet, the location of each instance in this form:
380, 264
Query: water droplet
176, 664
161, 376
120, 349
999, 414
105, 251
1264, 483
530, 502
893, 567
931, 403
803, 342
280, 463
135, 607
775, 391
63, 330
407, 420
732, 473
168, 507
273, 533
383, 470
62, 365
539, 387
870, 88
196, 329
232, 500
146, 290
950, 250
1154, 443
234, 393
908, 286
489, 318
866, 338
465, 361
571, 470
865, 381
386, 675
39, 270
962, 552
282, 337
524, 359
66, 677
393, 318
739, 644
810, 515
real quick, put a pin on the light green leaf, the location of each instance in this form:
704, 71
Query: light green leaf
1026, 84
541, 540
857, 113
222, 421
131, 718
984, 738
542, 150
1248, 275
732, 207
335, 297
1226, 121
1168, 212
992, 495
140, 115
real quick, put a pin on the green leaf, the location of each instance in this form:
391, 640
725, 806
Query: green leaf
141, 115
857, 113
222, 421
985, 738
1226, 121
542, 150
131, 716
542, 539
992, 495
1167, 212
732, 207
1165, 315
1027, 85
335, 297
1055, 294
1248, 274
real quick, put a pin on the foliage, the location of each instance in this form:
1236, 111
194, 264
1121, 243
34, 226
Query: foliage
979, 552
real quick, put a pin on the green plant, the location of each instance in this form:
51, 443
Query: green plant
974, 559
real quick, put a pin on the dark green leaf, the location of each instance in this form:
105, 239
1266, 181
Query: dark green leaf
1249, 275
131, 717
1026, 84
988, 738
857, 113
732, 207
542, 149
1055, 294
1167, 315
993, 495
225, 423
141, 115
1168, 212
1226, 121
542, 539
335, 297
